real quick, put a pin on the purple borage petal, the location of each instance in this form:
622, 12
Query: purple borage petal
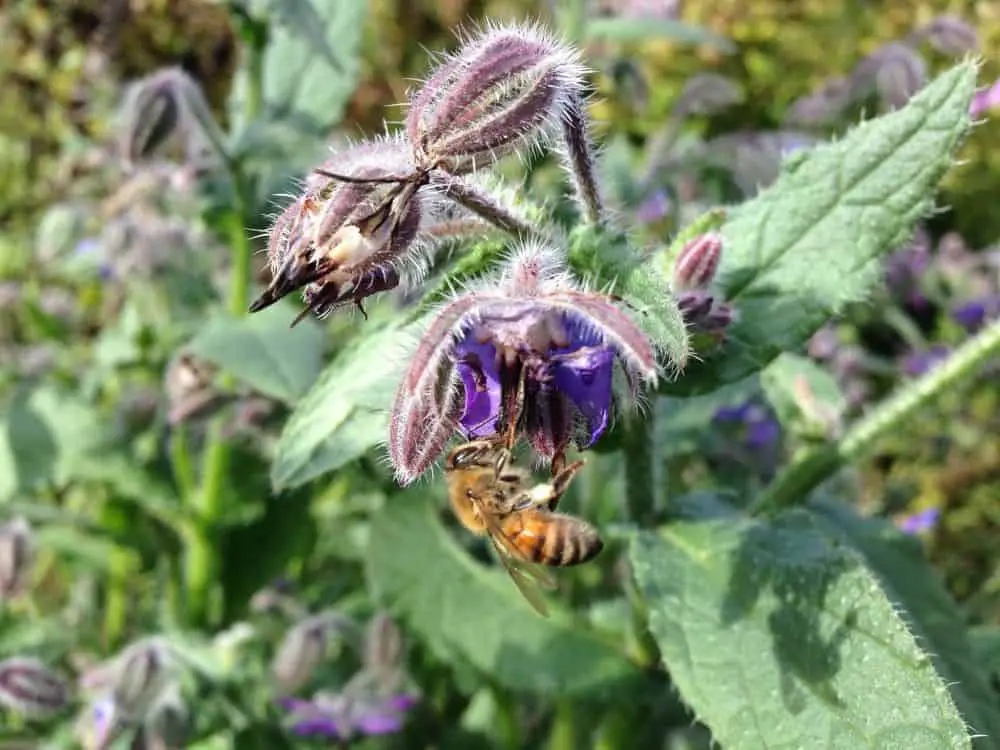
477, 366
585, 377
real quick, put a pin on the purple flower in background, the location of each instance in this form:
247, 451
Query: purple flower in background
971, 315
654, 207
905, 268
341, 717
985, 100
920, 521
759, 434
920, 363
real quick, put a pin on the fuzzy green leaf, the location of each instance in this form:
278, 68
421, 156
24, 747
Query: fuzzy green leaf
931, 614
344, 414
811, 243
48, 437
474, 616
262, 352
779, 637
302, 86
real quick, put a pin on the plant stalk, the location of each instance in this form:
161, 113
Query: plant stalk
202, 563
793, 485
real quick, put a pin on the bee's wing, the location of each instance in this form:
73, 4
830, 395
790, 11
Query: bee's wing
528, 577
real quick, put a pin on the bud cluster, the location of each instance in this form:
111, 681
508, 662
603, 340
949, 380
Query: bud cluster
694, 271
16, 557
369, 216
136, 690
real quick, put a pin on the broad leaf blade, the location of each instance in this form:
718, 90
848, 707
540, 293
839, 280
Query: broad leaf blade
778, 637
931, 614
809, 244
805, 397
472, 616
262, 352
345, 413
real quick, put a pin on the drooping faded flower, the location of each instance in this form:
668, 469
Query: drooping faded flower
342, 241
532, 326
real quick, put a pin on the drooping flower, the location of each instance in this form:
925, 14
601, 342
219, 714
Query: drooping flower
532, 324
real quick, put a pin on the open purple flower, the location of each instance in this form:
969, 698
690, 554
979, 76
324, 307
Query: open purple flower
972, 314
920, 521
341, 716
919, 363
532, 325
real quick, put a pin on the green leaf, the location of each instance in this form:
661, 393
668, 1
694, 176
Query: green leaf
261, 351
300, 18
805, 397
300, 86
49, 436
779, 637
654, 29
344, 414
811, 243
474, 616
931, 614
682, 423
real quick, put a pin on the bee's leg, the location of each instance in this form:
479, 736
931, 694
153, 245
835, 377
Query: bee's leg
560, 482
558, 463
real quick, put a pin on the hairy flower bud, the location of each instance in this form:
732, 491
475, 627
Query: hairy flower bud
697, 262
895, 72
30, 688
503, 87
142, 673
822, 105
16, 557
301, 651
950, 35
168, 725
163, 105
705, 315
383, 643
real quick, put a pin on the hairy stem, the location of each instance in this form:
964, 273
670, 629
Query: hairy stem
482, 204
640, 469
794, 484
580, 162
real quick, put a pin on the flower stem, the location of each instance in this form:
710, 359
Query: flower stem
202, 563
640, 469
794, 484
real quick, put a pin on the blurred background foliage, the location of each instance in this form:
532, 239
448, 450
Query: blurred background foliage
63, 69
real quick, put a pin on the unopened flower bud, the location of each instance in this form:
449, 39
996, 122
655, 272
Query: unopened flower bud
301, 651
895, 72
951, 35
168, 726
166, 104
143, 672
30, 688
383, 643
704, 315
506, 86
16, 557
697, 262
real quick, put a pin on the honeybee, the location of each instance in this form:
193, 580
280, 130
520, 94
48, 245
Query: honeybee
491, 497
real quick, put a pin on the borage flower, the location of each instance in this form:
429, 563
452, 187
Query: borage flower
532, 325
343, 717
